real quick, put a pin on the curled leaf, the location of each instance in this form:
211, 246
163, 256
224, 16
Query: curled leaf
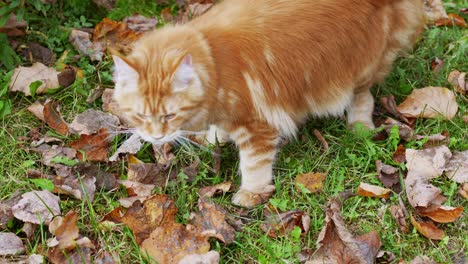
428, 229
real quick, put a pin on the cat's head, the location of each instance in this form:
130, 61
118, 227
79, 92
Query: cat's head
162, 95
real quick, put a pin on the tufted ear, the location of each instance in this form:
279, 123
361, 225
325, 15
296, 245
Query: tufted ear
184, 74
125, 76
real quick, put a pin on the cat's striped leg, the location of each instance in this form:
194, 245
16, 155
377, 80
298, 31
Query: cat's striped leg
257, 150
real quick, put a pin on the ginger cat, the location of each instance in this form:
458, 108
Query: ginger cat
256, 69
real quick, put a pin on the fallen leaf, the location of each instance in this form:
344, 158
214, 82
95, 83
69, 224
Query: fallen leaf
54, 119
138, 189
111, 106
428, 229
10, 244
211, 222
94, 147
399, 216
457, 167
312, 182
65, 230
141, 24
57, 256
422, 260
147, 173
38, 207
95, 94
35, 52
463, 190
430, 102
400, 154
335, 244
459, 81
24, 76
6, 214
434, 10
436, 65
67, 76
280, 224
107, 258
321, 139
91, 121
107, 4
29, 229
163, 154
389, 176
210, 191
115, 35
389, 103
211, 257
423, 166
404, 131
81, 41
463, 10
130, 146
14, 27
37, 109
443, 214
104, 180
450, 21
434, 140
369, 190
54, 152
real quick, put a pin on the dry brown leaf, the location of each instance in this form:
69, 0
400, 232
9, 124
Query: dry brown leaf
24, 76
163, 154
459, 81
400, 154
422, 260
211, 257
210, 191
389, 103
404, 131
147, 173
6, 214
55, 151
81, 41
107, 258
67, 182
13, 27
141, 24
450, 21
434, 10
65, 230
54, 119
94, 147
57, 256
443, 214
389, 176
211, 222
312, 182
281, 224
423, 166
369, 190
37, 207
37, 109
399, 216
35, 52
337, 245
137, 189
107, 4
10, 244
115, 35
91, 121
435, 140
130, 146
430, 102
111, 106
457, 167
463, 190
428, 229
437, 65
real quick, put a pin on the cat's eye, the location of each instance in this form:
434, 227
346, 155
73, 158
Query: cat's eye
169, 117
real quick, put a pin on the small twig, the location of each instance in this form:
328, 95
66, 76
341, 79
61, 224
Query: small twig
321, 139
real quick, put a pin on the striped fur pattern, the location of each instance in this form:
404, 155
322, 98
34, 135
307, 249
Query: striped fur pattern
257, 69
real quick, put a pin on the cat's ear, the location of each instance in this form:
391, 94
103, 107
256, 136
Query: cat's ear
184, 74
124, 72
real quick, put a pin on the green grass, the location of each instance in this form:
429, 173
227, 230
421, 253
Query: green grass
350, 160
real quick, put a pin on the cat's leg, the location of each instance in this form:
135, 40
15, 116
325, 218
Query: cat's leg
361, 108
216, 135
257, 151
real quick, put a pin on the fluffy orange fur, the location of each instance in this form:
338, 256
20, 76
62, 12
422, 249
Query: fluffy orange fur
256, 69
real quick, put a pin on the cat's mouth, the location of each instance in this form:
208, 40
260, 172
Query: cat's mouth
157, 140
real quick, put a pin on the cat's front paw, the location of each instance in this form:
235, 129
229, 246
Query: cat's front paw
250, 199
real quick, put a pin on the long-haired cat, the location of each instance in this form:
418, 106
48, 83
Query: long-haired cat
256, 69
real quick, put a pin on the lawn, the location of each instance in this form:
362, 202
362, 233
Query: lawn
349, 161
